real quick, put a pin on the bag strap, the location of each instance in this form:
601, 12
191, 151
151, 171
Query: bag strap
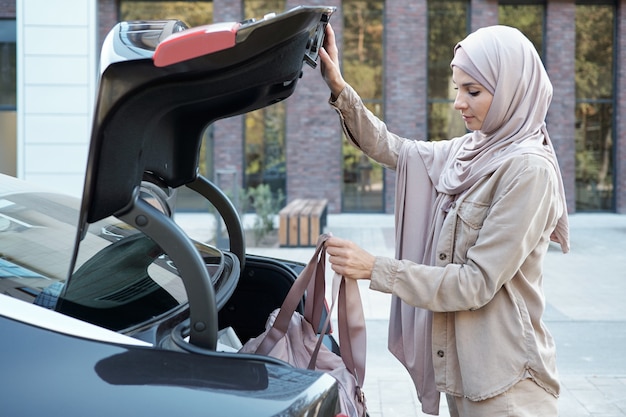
350, 316
316, 291
351, 324
326, 324
314, 269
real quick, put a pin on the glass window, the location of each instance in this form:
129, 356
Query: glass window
447, 25
8, 98
265, 148
8, 88
265, 161
528, 18
595, 27
362, 54
37, 231
122, 277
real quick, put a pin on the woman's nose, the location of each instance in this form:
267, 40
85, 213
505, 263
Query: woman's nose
459, 104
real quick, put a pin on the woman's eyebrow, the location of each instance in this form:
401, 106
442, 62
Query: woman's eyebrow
468, 83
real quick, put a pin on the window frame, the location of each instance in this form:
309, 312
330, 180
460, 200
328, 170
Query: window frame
8, 35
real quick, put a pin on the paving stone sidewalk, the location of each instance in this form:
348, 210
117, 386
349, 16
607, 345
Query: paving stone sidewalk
586, 313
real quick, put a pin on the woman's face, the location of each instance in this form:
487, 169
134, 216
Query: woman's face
472, 99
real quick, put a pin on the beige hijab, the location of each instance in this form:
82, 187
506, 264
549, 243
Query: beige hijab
506, 63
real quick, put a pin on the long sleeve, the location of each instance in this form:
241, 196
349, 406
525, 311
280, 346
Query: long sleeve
485, 287
366, 131
484, 245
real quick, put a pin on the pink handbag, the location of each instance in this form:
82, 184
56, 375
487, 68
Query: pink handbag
289, 336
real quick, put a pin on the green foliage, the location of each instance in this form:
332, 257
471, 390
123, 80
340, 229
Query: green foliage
528, 18
263, 202
595, 43
264, 128
362, 49
447, 24
265, 138
193, 13
266, 207
594, 51
256, 9
362, 66
367, 78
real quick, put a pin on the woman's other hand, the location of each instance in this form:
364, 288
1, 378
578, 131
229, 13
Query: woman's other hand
348, 259
329, 59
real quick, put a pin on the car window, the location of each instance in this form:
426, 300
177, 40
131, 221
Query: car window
122, 278
37, 231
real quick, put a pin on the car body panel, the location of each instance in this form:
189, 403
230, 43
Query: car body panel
78, 377
33, 315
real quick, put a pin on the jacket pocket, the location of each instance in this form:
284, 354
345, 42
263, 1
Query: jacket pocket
471, 216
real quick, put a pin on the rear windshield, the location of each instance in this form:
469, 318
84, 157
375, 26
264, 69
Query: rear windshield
122, 278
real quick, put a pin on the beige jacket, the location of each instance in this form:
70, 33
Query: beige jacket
486, 287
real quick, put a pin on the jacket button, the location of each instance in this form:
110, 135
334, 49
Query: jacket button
443, 256
440, 353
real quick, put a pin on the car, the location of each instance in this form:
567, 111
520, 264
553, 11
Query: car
108, 307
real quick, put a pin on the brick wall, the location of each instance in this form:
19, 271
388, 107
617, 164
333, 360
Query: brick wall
107, 18
406, 70
7, 9
228, 134
560, 61
483, 13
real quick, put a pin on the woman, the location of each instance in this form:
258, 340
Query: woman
474, 218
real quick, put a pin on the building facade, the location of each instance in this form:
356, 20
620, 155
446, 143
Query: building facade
57, 48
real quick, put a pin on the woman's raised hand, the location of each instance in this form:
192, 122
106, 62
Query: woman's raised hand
329, 59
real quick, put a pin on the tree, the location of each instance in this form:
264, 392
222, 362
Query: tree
193, 13
594, 110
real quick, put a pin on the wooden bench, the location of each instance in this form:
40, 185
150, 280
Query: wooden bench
301, 222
